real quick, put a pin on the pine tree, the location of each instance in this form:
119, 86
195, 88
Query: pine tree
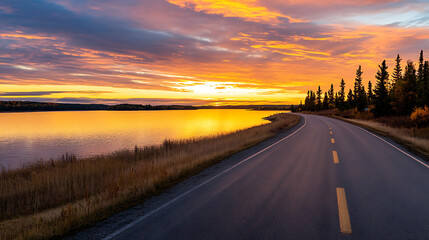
381, 98
325, 101
426, 84
396, 75
350, 100
420, 81
406, 91
370, 95
341, 95
336, 100
364, 98
331, 102
359, 92
309, 104
307, 101
395, 82
319, 99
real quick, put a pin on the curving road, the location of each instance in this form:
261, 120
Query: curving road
299, 188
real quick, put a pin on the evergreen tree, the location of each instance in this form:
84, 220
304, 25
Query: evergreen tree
350, 100
319, 99
406, 91
336, 100
381, 98
395, 82
341, 95
396, 75
325, 104
359, 92
364, 98
420, 81
331, 102
307, 101
426, 84
370, 95
309, 104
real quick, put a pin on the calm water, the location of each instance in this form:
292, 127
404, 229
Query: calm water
27, 137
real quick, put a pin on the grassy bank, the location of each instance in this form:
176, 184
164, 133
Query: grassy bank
50, 199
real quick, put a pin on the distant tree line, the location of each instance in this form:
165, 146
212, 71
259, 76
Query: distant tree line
24, 106
399, 94
129, 107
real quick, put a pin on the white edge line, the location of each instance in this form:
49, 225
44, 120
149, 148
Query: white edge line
198, 186
409, 155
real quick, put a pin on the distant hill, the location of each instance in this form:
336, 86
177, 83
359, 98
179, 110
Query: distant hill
254, 107
24, 106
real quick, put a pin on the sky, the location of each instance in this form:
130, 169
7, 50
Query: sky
199, 52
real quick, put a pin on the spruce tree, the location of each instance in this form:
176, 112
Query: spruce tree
341, 95
395, 83
319, 99
350, 100
307, 101
396, 75
336, 100
420, 81
359, 92
312, 101
407, 90
381, 98
325, 101
426, 84
331, 102
370, 95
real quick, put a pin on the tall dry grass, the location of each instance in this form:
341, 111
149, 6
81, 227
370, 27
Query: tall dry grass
413, 137
52, 198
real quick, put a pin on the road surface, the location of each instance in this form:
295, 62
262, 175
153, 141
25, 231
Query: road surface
325, 179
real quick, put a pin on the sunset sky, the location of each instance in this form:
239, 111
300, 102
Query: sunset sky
199, 52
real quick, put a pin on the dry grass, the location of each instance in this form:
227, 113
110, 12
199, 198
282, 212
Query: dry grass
50, 199
414, 138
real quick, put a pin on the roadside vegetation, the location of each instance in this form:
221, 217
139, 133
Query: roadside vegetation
396, 107
51, 198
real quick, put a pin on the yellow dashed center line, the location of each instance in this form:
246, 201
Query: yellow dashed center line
336, 160
330, 132
343, 212
332, 140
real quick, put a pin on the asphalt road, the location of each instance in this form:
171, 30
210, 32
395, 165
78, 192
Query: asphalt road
295, 190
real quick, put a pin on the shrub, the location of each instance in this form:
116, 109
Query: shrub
420, 116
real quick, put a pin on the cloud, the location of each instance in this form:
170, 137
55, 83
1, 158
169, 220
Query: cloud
46, 93
249, 10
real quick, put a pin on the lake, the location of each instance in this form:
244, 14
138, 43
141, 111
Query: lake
28, 137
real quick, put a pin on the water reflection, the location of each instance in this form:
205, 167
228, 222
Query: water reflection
26, 137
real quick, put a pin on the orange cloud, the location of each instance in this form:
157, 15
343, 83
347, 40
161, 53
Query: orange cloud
249, 10
17, 35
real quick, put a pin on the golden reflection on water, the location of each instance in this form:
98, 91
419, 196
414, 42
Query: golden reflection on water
172, 124
29, 136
